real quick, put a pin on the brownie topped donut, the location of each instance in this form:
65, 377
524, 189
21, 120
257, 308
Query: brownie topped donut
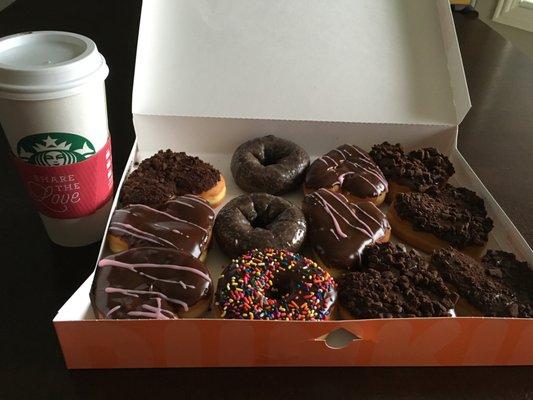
269, 164
498, 286
350, 170
394, 283
439, 218
167, 174
418, 170
259, 220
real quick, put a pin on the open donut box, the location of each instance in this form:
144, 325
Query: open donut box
213, 74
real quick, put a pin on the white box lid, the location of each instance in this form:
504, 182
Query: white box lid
374, 61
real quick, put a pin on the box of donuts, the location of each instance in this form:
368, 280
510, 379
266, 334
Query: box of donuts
295, 197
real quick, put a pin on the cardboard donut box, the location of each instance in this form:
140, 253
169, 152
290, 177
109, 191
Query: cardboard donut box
213, 74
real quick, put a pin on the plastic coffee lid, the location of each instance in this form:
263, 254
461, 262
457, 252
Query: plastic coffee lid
48, 64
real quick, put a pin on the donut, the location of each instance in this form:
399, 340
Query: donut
439, 218
151, 283
339, 230
393, 283
350, 170
184, 223
275, 285
269, 164
497, 286
167, 174
259, 220
418, 170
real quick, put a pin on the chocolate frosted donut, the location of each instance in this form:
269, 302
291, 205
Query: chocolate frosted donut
269, 164
184, 223
259, 220
153, 283
350, 170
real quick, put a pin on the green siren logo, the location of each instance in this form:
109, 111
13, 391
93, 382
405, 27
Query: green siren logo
54, 149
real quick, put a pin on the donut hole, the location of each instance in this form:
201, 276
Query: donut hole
272, 156
283, 284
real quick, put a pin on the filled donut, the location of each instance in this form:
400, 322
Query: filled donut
275, 285
151, 283
269, 164
440, 218
184, 223
350, 170
339, 230
416, 171
167, 174
259, 220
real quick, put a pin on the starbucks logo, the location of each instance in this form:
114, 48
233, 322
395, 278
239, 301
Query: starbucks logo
54, 149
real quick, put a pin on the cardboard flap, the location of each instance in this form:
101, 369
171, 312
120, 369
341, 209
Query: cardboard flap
377, 61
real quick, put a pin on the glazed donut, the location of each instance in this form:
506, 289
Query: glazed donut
275, 284
259, 220
167, 174
269, 164
151, 283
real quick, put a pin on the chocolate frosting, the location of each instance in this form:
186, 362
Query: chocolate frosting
167, 174
147, 282
456, 215
269, 164
184, 224
419, 170
394, 283
259, 220
349, 167
498, 286
339, 230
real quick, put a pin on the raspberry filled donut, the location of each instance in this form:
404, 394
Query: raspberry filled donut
269, 164
275, 285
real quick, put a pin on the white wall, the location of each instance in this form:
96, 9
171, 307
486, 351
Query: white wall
523, 40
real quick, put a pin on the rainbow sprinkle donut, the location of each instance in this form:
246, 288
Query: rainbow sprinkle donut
275, 284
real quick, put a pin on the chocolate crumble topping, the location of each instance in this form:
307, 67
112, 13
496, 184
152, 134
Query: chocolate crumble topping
394, 283
419, 169
167, 174
456, 215
498, 286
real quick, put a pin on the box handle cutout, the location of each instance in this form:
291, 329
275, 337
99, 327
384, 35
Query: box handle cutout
338, 339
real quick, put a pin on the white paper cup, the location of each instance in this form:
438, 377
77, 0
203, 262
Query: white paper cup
53, 113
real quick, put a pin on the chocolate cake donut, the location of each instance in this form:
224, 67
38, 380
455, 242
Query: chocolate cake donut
393, 283
153, 283
339, 230
350, 170
269, 164
259, 220
440, 218
498, 286
418, 170
167, 174
184, 223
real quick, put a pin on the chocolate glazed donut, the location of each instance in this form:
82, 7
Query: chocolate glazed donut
269, 164
259, 220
